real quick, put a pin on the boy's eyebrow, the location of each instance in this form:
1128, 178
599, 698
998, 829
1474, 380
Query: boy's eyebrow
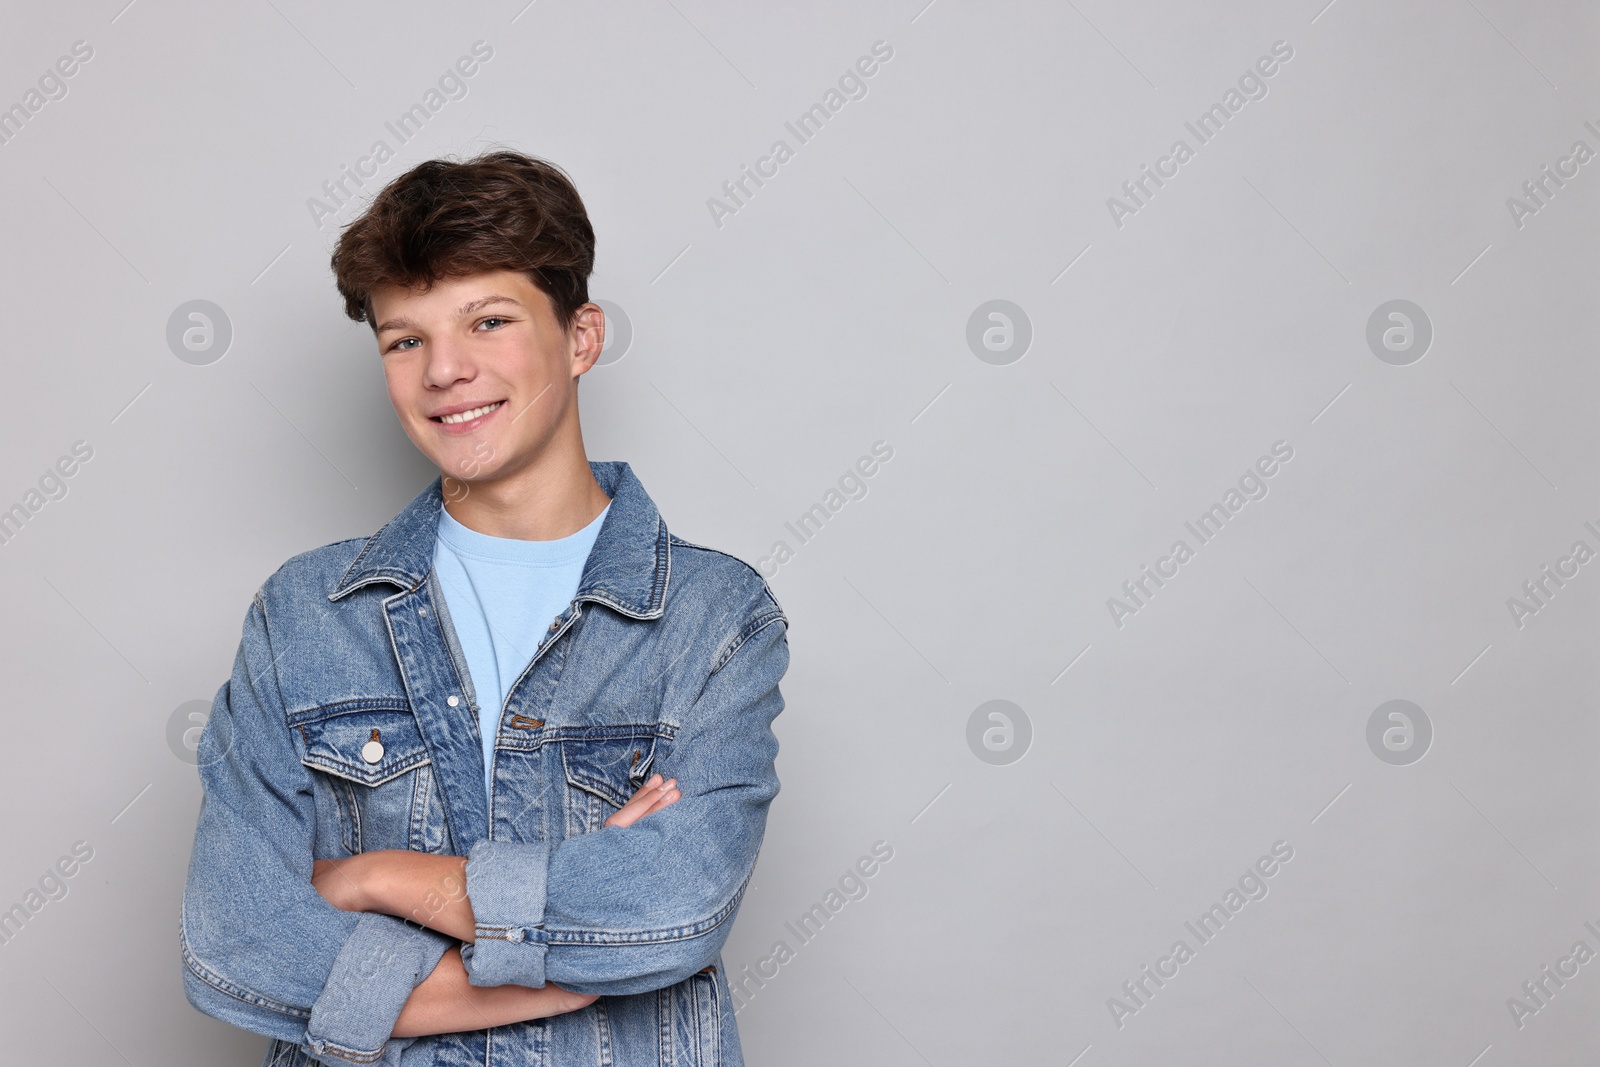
401, 323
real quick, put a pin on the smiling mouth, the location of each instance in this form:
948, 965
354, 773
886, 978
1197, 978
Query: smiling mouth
468, 416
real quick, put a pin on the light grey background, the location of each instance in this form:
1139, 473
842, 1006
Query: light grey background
768, 354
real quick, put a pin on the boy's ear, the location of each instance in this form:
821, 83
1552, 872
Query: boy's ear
588, 331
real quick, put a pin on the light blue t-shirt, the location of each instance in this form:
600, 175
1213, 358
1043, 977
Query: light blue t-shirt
503, 593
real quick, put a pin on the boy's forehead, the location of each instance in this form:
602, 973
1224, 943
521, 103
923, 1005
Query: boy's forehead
455, 297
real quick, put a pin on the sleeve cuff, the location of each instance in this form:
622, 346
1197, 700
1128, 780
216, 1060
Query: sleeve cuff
506, 887
380, 963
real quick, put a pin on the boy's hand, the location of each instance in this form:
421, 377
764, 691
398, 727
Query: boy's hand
652, 796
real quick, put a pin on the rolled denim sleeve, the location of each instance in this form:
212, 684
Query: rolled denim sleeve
629, 910
378, 965
262, 949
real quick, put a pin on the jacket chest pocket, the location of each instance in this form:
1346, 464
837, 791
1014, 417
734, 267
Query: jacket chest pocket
604, 767
377, 778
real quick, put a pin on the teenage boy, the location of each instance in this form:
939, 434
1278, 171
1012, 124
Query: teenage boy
487, 786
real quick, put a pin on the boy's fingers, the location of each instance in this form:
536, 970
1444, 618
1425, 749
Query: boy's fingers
645, 793
637, 806
665, 798
648, 799
651, 789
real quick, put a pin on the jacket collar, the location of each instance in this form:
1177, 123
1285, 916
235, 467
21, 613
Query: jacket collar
627, 568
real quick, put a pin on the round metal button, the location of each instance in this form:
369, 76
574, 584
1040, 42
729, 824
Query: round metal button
452, 700
372, 751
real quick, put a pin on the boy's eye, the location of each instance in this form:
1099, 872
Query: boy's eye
403, 343
497, 320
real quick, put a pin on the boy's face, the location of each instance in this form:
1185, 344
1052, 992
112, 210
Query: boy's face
480, 373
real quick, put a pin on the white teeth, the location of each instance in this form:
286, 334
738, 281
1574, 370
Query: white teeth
468, 416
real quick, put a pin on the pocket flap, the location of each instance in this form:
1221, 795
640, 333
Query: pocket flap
612, 768
369, 745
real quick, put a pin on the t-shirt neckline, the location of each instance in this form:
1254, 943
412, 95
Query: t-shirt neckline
464, 540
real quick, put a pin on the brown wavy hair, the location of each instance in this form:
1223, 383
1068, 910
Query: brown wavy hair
501, 210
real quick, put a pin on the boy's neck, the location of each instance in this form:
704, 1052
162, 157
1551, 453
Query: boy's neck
554, 496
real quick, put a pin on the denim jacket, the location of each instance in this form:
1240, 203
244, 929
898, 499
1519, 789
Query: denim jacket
349, 724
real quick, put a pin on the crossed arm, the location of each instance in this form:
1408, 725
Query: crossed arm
278, 944
431, 889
